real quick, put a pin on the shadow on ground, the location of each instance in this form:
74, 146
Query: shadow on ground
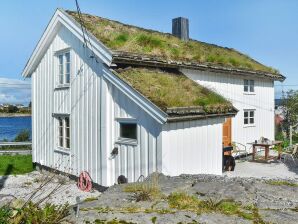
8, 171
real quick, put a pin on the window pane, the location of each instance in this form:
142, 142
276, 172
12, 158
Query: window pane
245, 120
67, 78
60, 122
67, 57
251, 88
251, 120
60, 131
245, 82
67, 68
67, 143
251, 113
245, 113
61, 142
128, 130
67, 132
245, 88
60, 79
67, 122
60, 59
60, 69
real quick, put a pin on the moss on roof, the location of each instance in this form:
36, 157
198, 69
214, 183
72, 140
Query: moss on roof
122, 37
171, 90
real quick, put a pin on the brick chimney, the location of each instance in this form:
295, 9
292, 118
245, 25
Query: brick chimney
180, 28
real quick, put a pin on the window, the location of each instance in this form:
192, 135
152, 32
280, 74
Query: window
64, 68
249, 86
63, 132
249, 117
128, 130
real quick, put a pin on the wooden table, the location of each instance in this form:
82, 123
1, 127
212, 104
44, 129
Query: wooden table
265, 145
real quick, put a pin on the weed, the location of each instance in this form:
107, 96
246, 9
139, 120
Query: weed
145, 191
153, 219
27, 183
114, 221
120, 40
295, 209
32, 213
90, 199
148, 40
183, 201
5, 214
281, 183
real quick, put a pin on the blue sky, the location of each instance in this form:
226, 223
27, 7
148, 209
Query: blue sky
266, 30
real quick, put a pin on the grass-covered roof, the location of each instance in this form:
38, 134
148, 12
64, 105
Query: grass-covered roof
122, 37
169, 90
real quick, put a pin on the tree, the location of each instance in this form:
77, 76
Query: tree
12, 109
23, 136
290, 107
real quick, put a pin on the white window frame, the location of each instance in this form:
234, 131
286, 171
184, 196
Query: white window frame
128, 141
64, 70
251, 115
249, 86
66, 140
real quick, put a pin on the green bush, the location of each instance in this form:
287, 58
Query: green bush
32, 213
5, 214
49, 214
23, 136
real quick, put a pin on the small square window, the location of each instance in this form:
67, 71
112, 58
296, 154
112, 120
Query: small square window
249, 85
249, 117
128, 130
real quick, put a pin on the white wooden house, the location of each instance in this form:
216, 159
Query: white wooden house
96, 91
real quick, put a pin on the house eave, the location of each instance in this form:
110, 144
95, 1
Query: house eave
120, 57
193, 117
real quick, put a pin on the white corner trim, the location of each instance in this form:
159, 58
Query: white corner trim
62, 18
136, 97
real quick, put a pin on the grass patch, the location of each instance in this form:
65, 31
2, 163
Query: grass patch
142, 41
168, 90
145, 191
281, 183
15, 164
183, 201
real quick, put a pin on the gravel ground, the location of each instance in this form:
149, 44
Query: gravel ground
274, 203
250, 184
23, 186
271, 170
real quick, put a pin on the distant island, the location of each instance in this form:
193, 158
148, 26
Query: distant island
15, 110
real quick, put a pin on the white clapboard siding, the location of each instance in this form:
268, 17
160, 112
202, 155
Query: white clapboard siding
192, 147
81, 101
133, 160
231, 87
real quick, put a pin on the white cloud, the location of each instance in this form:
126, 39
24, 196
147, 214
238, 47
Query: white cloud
15, 91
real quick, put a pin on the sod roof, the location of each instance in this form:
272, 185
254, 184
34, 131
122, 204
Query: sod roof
173, 92
126, 38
